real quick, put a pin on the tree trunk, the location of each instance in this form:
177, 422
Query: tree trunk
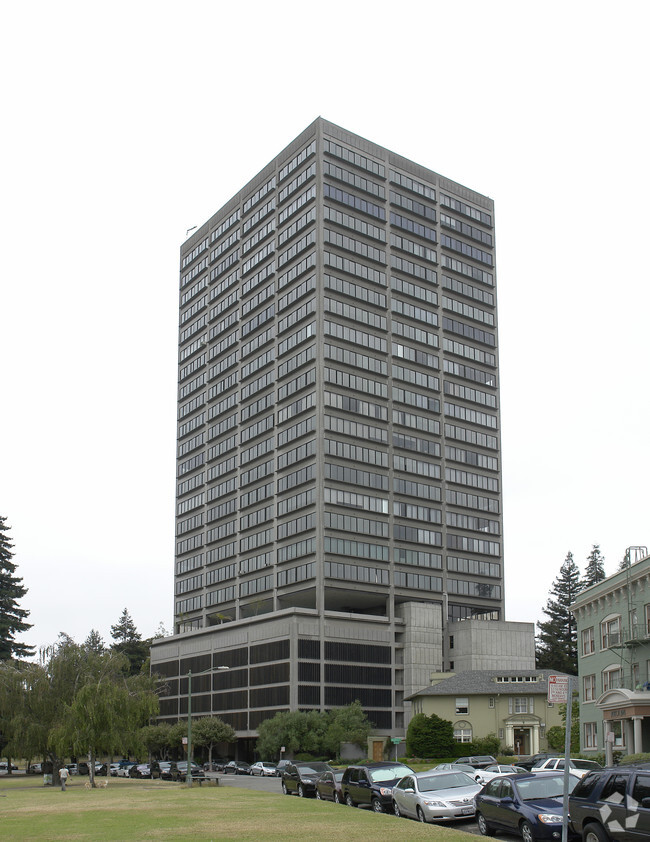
91, 767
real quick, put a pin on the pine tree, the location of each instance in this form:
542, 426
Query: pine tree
595, 569
557, 647
129, 641
12, 618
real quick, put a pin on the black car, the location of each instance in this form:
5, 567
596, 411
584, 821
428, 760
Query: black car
300, 778
534, 760
237, 767
178, 771
612, 804
328, 786
372, 784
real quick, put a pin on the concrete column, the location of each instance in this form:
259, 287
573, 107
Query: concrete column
510, 736
534, 739
608, 745
638, 733
629, 735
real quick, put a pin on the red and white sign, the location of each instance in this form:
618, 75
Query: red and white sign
558, 688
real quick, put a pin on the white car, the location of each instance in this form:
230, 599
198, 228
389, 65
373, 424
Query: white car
112, 769
500, 769
577, 768
123, 771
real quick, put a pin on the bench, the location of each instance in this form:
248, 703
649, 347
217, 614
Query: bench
201, 779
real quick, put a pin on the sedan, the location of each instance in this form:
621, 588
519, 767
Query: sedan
475, 774
500, 769
262, 768
577, 768
124, 770
328, 786
435, 796
528, 805
237, 767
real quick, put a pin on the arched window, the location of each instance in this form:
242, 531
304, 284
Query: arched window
463, 731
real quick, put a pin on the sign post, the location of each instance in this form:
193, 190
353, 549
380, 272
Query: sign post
396, 741
560, 690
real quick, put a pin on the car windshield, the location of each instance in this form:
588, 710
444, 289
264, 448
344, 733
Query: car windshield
450, 781
586, 764
313, 767
539, 787
388, 773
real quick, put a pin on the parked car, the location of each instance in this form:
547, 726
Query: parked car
83, 768
112, 769
72, 768
5, 768
144, 770
300, 778
577, 768
534, 760
124, 769
435, 796
459, 767
500, 769
237, 767
264, 769
101, 769
164, 767
35, 769
372, 783
282, 765
527, 805
477, 761
612, 804
178, 771
216, 765
328, 786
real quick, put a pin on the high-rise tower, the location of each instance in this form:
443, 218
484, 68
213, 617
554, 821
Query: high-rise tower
338, 475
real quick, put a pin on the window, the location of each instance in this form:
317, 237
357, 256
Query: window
588, 645
610, 632
619, 739
647, 618
590, 735
462, 704
491, 702
612, 678
463, 732
589, 688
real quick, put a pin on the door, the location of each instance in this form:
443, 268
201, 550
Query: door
522, 740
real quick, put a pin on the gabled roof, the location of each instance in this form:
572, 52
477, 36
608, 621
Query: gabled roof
484, 683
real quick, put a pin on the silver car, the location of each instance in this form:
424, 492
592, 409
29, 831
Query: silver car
435, 796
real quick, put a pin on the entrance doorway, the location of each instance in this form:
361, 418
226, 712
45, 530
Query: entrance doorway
522, 740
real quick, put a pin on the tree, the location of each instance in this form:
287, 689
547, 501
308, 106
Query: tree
95, 642
297, 731
556, 735
106, 712
157, 739
348, 724
12, 618
74, 701
557, 647
429, 736
129, 641
210, 731
595, 569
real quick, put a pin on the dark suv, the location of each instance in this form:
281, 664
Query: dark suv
372, 783
301, 777
612, 804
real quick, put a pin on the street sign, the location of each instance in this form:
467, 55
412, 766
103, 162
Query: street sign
396, 740
558, 688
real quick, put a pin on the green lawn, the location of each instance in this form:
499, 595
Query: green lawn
159, 810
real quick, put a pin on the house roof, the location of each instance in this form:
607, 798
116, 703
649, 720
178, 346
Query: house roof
484, 683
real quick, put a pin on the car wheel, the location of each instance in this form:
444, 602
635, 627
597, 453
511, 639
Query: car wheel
337, 798
284, 788
527, 832
421, 815
301, 791
397, 811
594, 833
349, 801
377, 806
483, 827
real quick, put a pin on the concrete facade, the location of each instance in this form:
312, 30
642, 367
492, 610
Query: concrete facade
338, 463
613, 624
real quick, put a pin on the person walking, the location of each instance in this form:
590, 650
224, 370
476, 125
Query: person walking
63, 774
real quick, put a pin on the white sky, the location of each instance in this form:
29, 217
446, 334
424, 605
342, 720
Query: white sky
117, 119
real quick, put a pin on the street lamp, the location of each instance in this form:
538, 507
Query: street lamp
188, 776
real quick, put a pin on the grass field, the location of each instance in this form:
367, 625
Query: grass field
160, 810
